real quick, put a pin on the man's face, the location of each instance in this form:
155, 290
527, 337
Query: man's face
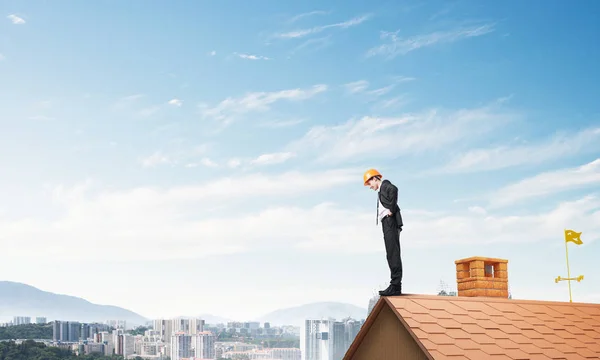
373, 184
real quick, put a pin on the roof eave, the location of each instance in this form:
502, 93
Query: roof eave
409, 329
364, 329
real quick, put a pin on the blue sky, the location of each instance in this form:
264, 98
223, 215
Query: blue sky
212, 153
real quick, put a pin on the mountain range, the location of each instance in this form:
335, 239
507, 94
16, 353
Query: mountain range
17, 299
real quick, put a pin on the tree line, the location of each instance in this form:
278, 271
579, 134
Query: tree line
26, 331
32, 350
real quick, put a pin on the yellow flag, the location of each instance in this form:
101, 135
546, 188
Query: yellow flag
572, 236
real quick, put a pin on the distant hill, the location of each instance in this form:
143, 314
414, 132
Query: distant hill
321, 310
18, 299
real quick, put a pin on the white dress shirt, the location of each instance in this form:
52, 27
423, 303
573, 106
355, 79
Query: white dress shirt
383, 211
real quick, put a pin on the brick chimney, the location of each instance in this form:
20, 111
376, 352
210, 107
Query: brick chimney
482, 276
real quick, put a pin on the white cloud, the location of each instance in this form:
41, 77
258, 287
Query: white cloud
425, 229
477, 210
500, 157
252, 57
317, 29
208, 162
361, 86
356, 86
196, 221
156, 159
400, 46
176, 102
548, 183
396, 101
230, 108
212, 53
273, 158
402, 79
204, 162
307, 14
281, 123
313, 44
16, 19
372, 137
2, 57
233, 163
178, 153
170, 222
381, 91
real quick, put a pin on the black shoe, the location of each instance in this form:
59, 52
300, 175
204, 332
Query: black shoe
381, 292
391, 291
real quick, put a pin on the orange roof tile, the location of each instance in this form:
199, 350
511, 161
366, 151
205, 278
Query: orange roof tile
497, 328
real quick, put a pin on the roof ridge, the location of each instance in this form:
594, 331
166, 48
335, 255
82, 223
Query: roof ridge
494, 299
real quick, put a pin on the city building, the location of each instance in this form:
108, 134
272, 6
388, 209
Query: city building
327, 339
117, 324
181, 346
315, 340
204, 345
481, 322
286, 353
40, 320
66, 331
21, 320
164, 327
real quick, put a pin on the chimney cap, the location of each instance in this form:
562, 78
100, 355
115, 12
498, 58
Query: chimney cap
481, 258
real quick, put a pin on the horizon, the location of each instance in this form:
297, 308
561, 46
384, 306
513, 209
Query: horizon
208, 158
200, 316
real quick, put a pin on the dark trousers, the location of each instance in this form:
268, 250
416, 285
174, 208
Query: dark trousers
391, 237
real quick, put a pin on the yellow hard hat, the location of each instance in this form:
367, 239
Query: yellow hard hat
369, 174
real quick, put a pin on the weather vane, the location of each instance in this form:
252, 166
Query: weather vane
574, 237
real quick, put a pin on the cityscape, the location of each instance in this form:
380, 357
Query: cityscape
288, 180
193, 339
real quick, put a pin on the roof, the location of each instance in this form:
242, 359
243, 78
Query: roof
495, 328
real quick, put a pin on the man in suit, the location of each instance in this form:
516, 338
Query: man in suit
388, 213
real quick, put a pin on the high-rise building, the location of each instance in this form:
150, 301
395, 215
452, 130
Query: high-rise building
196, 326
128, 345
56, 330
204, 345
164, 328
181, 346
352, 329
339, 340
21, 320
181, 325
40, 320
117, 336
85, 331
252, 325
67, 331
315, 340
117, 324
64, 331
327, 339
74, 331
372, 302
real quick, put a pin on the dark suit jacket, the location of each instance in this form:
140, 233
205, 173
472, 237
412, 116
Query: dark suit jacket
388, 195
